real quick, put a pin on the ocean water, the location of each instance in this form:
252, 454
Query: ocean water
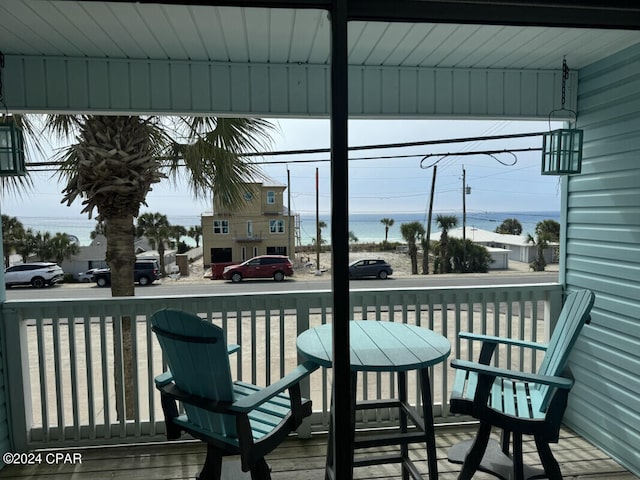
82, 227
366, 226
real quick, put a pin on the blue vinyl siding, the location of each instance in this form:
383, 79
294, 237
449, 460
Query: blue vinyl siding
603, 254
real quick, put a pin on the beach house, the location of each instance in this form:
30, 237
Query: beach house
263, 226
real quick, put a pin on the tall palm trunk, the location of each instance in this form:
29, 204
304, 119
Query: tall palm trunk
413, 254
121, 257
444, 252
120, 254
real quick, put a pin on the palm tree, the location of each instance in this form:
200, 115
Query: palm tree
510, 226
550, 229
195, 232
42, 242
156, 228
176, 232
319, 241
477, 258
61, 247
115, 160
412, 232
426, 245
12, 232
541, 243
445, 223
100, 229
388, 223
321, 224
26, 245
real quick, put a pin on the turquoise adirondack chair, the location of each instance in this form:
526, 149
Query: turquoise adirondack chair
519, 403
233, 418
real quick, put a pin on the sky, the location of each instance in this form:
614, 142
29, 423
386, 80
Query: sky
381, 186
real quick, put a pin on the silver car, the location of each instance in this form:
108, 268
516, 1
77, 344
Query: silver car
88, 276
36, 274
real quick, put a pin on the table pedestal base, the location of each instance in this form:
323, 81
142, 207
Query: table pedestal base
495, 461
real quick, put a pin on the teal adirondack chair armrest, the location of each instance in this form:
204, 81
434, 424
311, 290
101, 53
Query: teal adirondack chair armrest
494, 372
251, 402
163, 379
502, 340
174, 393
243, 405
489, 344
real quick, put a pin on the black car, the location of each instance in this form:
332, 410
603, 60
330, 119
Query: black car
369, 268
145, 272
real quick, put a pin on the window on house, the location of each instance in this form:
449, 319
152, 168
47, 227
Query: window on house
249, 229
276, 226
271, 197
221, 226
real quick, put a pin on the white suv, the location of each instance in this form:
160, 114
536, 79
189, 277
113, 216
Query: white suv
36, 274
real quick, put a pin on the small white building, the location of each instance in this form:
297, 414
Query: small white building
500, 258
90, 256
516, 247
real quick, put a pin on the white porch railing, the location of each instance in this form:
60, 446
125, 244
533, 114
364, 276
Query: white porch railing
62, 355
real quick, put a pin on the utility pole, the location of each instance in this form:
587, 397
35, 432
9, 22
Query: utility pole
425, 261
290, 248
464, 207
317, 225
465, 191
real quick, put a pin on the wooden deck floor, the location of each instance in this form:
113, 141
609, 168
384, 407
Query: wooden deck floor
298, 460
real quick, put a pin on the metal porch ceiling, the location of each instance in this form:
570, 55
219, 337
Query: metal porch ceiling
131, 30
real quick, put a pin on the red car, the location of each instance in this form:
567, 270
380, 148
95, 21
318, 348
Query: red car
264, 266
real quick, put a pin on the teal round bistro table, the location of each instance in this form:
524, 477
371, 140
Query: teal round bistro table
380, 346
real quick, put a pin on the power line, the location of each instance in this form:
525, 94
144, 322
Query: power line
361, 147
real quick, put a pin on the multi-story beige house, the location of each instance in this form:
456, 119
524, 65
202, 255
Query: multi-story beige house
263, 226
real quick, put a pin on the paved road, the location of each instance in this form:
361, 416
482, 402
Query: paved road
169, 287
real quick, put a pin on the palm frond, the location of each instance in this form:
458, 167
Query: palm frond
213, 156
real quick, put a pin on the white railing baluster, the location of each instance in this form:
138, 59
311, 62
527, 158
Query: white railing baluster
73, 363
88, 360
104, 365
57, 361
42, 373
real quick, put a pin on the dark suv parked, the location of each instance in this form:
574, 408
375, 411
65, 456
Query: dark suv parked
264, 266
145, 272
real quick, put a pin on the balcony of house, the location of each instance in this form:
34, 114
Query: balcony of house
244, 237
69, 363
